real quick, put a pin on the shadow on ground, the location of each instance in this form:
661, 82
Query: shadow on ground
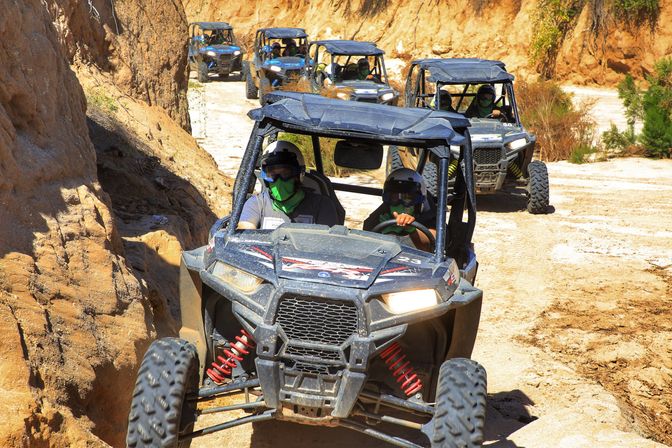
506, 413
505, 202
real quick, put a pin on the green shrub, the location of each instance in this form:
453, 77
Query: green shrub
617, 140
97, 98
657, 106
637, 11
553, 19
580, 153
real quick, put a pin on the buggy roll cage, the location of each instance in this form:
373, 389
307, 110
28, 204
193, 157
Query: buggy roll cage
350, 48
439, 140
460, 71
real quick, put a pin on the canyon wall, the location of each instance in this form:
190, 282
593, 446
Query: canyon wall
463, 28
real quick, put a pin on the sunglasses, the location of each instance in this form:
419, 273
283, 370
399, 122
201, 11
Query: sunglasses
405, 199
284, 172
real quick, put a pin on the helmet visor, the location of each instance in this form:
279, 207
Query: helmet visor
407, 199
275, 172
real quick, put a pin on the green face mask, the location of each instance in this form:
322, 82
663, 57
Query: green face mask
281, 190
285, 195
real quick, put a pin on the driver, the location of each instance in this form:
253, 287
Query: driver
364, 71
283, 199
275, 50
483, 105
445, 101
290, 47
405, 199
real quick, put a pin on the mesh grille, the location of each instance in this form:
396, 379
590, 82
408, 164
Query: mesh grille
322, 322
293, 350
316, 369
487, 156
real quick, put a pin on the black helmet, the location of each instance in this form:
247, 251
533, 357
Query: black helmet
486, 89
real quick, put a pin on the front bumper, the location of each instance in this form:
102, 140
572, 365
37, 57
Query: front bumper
224, 63
313, 356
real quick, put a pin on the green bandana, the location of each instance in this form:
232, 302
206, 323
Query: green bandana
399, 230
484, 111
286, 197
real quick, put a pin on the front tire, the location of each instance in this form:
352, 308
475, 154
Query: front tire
251, 91
159, 409
537, 187
459, 414
202, 72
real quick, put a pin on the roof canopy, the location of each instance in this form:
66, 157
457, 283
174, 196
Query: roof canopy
338, 118
466, 70
284, 33
350, 47
213, 25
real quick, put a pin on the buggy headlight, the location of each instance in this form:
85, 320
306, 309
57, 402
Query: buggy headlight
236, 53
407, 301
211, 53
517, 144
275, 68
386, 96
241, 280
343, 95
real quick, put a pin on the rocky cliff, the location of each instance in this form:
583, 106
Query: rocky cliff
596, 48
73, 319
96, 203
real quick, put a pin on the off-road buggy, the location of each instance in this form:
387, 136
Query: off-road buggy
279, 57
503, 149
328, 326
355, 69
213, 49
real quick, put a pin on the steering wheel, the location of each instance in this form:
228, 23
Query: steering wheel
416, 224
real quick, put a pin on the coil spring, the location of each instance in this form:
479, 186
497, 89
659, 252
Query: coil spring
233, 354
401, 369
452, 168
515, 169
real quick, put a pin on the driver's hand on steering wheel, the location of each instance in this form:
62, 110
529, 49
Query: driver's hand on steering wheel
496, 113
403, 219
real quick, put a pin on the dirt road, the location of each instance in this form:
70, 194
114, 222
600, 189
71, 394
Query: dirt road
575, 333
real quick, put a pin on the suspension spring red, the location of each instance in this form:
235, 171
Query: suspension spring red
401, 369
233, 354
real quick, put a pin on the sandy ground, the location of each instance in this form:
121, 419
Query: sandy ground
575, 333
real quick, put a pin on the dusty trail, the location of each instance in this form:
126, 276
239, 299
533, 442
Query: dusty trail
574, 332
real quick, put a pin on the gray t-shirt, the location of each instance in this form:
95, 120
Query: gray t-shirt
314, 209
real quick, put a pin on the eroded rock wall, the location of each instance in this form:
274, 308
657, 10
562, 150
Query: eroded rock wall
140, 44
73, 318
460, 28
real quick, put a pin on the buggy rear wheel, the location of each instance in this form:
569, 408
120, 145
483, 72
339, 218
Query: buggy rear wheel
537, 186
159, 409
202, 72
459, 414
251, 91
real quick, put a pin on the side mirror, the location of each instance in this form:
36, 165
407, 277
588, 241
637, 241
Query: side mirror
358, 155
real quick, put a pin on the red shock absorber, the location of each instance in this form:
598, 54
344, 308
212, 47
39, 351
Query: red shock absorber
401, 369
233, 354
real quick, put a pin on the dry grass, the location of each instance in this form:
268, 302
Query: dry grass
563, 130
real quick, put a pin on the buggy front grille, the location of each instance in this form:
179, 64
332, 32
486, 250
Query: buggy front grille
487, 156
317, 321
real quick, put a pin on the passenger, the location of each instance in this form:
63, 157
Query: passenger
405, 199
483, 105
284, 200
290, 47
275, 50
445, 101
